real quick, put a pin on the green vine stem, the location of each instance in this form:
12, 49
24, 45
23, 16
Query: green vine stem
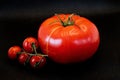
35, 51
34, 48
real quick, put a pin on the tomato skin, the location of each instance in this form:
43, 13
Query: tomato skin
27, 44
23, 58
70, 44
12, 52
37, 59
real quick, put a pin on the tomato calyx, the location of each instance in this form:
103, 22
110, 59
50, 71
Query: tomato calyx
69, 21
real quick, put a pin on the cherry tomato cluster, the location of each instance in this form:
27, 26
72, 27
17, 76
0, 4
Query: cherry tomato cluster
28, 54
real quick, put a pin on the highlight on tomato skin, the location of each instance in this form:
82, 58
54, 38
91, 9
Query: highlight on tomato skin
68, 38
37, 62
27, 44
23, 57
13, 51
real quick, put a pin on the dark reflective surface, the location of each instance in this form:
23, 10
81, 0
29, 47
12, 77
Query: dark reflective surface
104, 65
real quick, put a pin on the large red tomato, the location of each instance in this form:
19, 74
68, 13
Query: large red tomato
68, 38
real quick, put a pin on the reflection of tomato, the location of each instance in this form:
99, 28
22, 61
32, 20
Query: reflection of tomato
68, 38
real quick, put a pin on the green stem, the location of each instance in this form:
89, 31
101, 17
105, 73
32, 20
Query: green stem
19, 53
34, 47
38, 55
35, 51
70, 21
59, 19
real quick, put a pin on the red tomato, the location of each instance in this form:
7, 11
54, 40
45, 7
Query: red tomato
12, 52
67, 38
23, 58
27, 44
37, 61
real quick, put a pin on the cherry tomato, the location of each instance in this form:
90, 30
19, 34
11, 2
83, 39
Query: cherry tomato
23, 57
37, 61
27, 44
68, 38
12, 52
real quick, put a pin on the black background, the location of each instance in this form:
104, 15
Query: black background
20, 19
